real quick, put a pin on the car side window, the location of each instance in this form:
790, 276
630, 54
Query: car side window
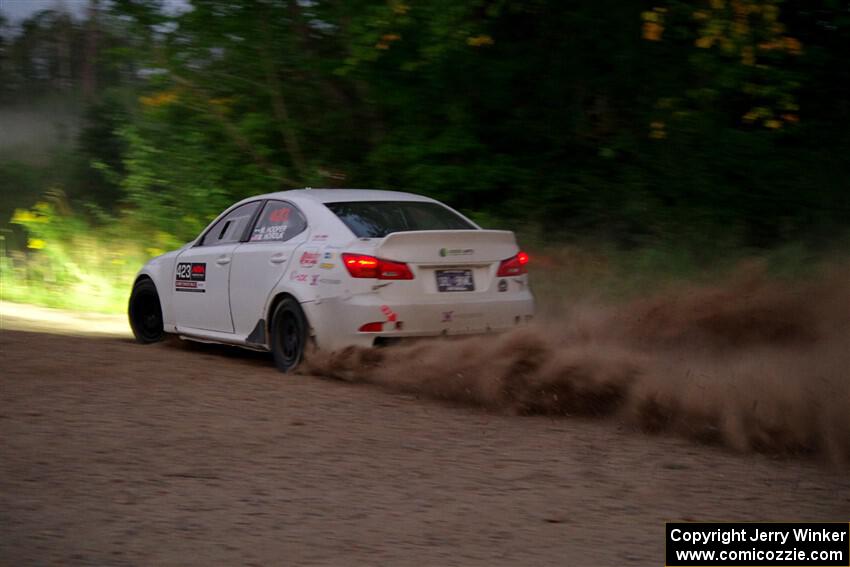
231, 228
278, 222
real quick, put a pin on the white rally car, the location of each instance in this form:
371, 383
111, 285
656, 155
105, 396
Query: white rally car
335, 267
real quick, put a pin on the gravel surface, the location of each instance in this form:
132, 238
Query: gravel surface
112, 453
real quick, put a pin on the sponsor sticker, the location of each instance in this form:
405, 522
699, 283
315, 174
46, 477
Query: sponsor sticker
320, 237
448, 317
456, 252
299, 277
279, 215
389, 313
191, 276
309, 258
326, 265
329, 281
503, 285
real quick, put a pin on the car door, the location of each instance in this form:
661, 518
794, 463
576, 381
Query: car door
261, 261
202, 273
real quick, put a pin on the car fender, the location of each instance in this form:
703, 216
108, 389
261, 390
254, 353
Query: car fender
301, 278
161, 271
315, 274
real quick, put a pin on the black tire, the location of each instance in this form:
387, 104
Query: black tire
288, 334
145, 313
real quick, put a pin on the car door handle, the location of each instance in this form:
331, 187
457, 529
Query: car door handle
223, 261
278, 259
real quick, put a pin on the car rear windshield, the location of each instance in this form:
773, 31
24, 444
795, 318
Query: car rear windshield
376, 219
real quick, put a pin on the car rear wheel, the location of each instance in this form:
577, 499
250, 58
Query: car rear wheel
146, 313
288, 335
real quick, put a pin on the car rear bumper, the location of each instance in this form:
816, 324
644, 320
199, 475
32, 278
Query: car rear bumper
336, 321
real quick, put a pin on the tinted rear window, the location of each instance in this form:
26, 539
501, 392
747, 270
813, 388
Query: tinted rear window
376, 219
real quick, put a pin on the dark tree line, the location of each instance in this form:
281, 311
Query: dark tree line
703, 120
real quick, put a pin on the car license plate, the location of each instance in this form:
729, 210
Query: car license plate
455, 280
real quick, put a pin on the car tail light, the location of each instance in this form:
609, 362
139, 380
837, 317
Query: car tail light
375, 327
362, 266
513, 266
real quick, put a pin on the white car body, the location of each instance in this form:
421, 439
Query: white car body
233, 299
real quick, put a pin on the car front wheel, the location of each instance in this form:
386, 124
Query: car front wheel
145, 313
288, 334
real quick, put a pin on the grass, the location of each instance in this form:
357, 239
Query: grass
69, 264
95, 280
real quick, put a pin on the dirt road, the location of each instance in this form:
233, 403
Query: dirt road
118, 454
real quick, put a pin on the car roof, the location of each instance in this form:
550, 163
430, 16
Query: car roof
343, 195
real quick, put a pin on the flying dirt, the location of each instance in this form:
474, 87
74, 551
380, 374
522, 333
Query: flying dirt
755, 364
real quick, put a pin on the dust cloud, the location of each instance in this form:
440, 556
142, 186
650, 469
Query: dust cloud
754, 364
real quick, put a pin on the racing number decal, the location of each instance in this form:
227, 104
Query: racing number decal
191, 277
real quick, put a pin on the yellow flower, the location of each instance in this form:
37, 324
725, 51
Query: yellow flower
479, 40
773, 123
159, 99
704, 42
657, 131
221, 101
22, 216
652, 31
793, 45
35, 243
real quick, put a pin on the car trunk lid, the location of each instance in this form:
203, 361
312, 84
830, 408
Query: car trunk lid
447, 264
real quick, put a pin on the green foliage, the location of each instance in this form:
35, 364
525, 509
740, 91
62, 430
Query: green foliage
563, 114
69, 264
674, 131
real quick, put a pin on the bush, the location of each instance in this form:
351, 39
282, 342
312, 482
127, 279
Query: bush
71, 263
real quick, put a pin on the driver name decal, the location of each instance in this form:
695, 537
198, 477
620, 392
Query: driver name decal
191, 276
